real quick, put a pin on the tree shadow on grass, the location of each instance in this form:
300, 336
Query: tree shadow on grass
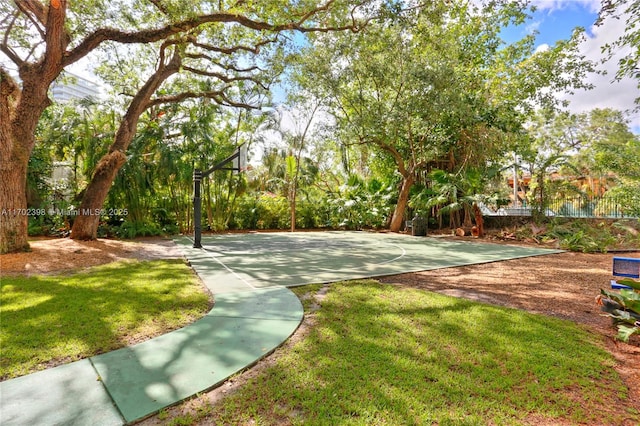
381, 355
49, 320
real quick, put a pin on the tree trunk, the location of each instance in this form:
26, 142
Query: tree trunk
20, 111
479, 220
85, 226
467, 223
401, 206
13, 207
19, 114
292, 206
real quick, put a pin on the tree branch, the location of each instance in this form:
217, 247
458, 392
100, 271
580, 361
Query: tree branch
141, 100
56, 40
229, 50
396, 156
4, 47
222, 77
218, 96
221, 65
152, 35
34, 7
159, 6
233, 68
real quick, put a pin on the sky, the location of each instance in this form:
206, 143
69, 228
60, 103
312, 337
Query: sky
555, 20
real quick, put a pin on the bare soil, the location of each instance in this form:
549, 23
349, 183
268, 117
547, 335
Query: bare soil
560, 285
56, 255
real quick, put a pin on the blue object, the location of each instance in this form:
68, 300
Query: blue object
625, 267
616, 286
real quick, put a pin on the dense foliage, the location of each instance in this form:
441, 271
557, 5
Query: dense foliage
426, 111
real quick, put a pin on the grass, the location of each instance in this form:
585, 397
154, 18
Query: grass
47, 320
383, 355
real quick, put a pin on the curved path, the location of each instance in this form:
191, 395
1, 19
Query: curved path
128, 384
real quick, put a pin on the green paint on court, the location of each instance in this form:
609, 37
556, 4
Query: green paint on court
260, 260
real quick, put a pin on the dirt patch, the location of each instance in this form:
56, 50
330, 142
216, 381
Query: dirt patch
48, 256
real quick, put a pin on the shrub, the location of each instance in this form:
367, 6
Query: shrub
581, 236
272, 211
623, 307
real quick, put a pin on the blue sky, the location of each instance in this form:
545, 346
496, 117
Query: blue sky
555, 20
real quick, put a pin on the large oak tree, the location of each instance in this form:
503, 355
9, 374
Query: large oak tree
218, 43
435, 86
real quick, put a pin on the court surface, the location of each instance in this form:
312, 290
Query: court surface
259, 260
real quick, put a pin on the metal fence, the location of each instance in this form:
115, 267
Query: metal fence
595, 207
578, 207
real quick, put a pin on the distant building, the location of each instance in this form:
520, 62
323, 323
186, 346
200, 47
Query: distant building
74, 87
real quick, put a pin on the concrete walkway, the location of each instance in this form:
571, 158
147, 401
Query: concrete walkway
129, 384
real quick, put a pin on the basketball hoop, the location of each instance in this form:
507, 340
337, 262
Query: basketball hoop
238, 162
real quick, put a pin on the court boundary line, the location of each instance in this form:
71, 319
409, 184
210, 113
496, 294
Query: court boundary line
363, 268
272, 281
210, 254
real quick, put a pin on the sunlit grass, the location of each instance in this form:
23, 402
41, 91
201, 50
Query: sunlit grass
383, 355
46, 320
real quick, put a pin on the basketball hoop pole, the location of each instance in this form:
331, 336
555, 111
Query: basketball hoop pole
240, 157
197, 208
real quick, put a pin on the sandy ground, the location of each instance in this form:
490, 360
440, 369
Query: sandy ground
561, 285
49, 256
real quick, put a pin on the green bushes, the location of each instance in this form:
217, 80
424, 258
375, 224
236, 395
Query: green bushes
116, 227
357, 205
360, 204
129, 230
587, 236
624, 308
261, 211
580, 236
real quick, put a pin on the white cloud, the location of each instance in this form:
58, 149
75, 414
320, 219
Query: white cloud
533, 27
542, 48
607, 92
592, 6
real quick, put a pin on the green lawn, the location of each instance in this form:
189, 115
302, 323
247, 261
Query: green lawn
46, 320
383, 355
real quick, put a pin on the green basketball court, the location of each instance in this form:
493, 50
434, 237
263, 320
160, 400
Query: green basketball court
258, 260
